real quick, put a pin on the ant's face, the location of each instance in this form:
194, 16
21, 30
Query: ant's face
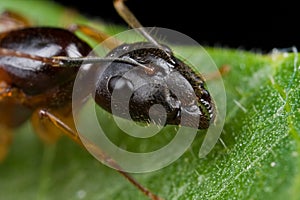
163, 91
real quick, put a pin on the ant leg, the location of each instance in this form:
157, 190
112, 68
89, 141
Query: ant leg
96, 35
5, 131
50, 130
5, 141
69, 130
45, 130
10, 20
11, 115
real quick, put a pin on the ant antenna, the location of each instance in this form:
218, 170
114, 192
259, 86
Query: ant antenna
132, 21
76, 61
14, 53
63, 61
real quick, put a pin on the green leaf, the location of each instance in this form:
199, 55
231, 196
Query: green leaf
256, 158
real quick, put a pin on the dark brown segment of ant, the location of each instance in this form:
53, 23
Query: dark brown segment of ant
11, 21
31, 84
38, 66
163, 63
34, 83
34, 77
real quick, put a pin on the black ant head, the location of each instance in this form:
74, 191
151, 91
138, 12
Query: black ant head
160, 89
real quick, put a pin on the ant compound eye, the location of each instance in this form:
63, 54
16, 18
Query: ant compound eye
119, 83
205, 95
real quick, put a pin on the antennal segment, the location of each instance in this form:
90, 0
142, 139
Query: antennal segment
77, 61
132, 21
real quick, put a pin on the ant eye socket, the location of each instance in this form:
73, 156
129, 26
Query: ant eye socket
119, 83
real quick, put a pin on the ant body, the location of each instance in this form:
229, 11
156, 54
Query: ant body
38, 67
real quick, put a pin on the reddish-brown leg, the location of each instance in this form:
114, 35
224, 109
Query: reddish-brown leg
69, 130
96, 35
10, 115
5, 141
10, 20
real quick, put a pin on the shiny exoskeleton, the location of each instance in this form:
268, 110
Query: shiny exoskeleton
46, 86
39, 65
38, 85
151, 88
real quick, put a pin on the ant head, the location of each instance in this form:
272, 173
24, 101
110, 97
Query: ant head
162, 89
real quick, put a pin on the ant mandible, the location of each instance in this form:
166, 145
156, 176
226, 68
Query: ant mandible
38, 67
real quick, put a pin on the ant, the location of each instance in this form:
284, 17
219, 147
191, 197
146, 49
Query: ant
38, 67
